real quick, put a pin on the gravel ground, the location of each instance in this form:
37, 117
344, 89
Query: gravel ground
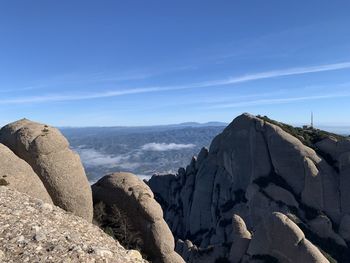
34, 231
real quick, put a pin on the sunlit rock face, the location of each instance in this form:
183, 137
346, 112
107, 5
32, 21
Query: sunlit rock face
47, 151
264, 173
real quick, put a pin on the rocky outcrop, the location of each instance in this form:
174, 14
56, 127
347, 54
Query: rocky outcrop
240, 241
344, 228
280, 238
192, 253
47, 151
338, 150
34, 231
17, 174
133, 198
262, 172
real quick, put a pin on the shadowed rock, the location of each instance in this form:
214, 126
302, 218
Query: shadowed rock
241, 239
17, 174
254, 168
279, 237
135, 199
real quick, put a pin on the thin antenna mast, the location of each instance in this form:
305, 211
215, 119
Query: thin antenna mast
312, 120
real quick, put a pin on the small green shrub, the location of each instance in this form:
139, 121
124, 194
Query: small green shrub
309, 136
116, 224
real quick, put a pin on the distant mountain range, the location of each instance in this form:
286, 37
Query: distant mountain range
145, 150
141, 150
344, 130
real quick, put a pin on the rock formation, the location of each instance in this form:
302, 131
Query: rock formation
34, 231
47, 151
133, 198
36, 160
281, 238
240, 239
17, 174
263, 191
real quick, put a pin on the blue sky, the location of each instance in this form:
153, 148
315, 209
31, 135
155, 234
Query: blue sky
105, 63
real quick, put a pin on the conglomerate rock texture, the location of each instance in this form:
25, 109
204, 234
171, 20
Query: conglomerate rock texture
34, 231
259, 193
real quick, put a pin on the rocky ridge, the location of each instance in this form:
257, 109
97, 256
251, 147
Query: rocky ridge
257, 181
263, 192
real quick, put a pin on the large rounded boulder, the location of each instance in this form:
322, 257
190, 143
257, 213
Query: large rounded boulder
134, 199
281, 238
17, 174
47, 151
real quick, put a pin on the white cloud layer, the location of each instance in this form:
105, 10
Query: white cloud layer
93, 158
160, 147
279, 101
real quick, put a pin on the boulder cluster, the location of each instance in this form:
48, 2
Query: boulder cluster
39, 162
262, 192
259, 194
40, 175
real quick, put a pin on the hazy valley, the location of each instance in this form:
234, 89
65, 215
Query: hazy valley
143, 151
146, 150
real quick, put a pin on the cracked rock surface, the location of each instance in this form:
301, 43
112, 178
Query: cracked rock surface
260, 170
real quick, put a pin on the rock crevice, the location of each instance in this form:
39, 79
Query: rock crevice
278, 175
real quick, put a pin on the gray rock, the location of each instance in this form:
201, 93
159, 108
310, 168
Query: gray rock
322, 226
241, 239
287, 156
344, 228
253, 168
344, 167
134, 197
32, 235
17, 174
280, 194
329, 145
279, 237
46, 150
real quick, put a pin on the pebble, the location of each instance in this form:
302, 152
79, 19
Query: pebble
33, 231
20, 239
103, 252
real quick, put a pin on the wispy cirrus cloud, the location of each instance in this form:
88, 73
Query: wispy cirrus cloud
278, 101
287, 72
98, 78
212, 83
